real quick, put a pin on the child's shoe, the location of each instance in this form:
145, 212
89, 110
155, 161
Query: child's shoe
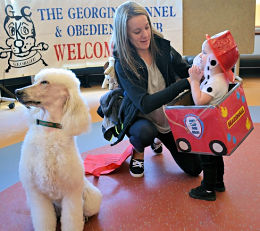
157, 148
201, 193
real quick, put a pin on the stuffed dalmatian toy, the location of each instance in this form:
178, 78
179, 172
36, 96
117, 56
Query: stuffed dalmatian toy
219, 55
214, 81
110, 80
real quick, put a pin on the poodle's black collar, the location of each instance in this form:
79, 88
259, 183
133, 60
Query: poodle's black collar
48, 124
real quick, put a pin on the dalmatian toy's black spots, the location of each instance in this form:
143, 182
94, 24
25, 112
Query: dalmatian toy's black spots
209, 89
213, 62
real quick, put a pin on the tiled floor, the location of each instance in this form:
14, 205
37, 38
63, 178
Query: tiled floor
251, 87
160, 200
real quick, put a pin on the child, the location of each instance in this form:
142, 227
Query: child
219, 55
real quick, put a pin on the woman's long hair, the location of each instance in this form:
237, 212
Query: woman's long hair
120, 42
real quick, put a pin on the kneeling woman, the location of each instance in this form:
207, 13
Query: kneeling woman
147, 68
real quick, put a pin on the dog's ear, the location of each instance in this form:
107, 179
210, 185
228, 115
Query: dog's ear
76, 118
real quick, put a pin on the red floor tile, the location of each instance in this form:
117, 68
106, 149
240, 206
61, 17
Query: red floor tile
160, 200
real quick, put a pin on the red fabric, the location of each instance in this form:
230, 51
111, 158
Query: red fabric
105, 163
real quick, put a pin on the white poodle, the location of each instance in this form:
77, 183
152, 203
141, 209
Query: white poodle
51, 169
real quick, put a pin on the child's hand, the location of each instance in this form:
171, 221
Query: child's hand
195, 73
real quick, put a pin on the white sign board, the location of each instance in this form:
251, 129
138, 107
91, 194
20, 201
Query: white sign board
35, 34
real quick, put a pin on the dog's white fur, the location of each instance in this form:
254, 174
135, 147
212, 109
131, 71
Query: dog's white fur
51, 169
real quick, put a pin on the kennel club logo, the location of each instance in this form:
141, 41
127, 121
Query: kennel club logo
21, 48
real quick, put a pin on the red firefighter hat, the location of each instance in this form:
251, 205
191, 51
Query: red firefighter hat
225, 49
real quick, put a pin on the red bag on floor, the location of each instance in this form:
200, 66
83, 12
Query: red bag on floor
105, 163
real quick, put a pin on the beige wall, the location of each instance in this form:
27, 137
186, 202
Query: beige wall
202, 17
257, 13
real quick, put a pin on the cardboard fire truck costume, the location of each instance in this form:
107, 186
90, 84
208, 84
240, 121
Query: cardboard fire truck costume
213, 129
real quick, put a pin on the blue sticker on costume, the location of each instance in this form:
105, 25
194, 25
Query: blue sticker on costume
238, 95
234, 139
229, 137
243, 99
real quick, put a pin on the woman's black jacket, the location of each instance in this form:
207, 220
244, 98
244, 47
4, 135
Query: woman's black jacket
136, 98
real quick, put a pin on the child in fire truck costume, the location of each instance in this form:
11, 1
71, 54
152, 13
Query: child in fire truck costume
210, 75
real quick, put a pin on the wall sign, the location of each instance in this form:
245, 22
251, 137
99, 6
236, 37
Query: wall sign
35, 34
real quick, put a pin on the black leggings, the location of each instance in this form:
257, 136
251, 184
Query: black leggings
213, 170
142, 133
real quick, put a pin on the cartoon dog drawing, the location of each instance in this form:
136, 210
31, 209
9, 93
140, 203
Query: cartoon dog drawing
21, 40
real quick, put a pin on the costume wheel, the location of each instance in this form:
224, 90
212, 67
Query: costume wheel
218, 147
11, 105
183, 145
